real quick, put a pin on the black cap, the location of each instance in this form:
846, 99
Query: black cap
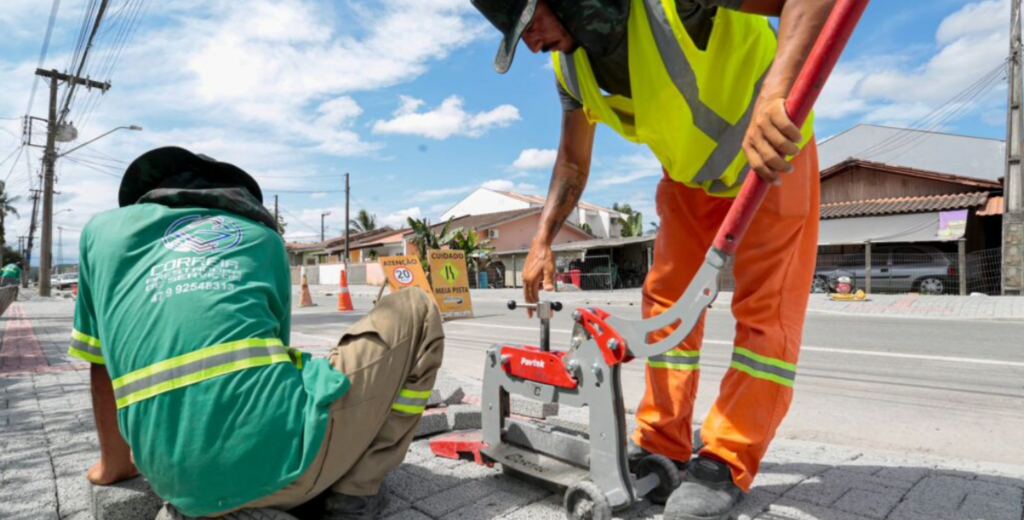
511, 17
152, 168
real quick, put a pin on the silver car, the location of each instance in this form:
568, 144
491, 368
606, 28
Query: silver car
894, 269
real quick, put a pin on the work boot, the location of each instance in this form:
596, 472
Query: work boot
349, 507
707, 493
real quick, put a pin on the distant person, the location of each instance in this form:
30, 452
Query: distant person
184, 311
10, 274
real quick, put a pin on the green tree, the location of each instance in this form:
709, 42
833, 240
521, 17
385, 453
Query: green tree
425, 238
6, 207
632, 224
586, 227
655, 227
623, 208
476, 250
365, 221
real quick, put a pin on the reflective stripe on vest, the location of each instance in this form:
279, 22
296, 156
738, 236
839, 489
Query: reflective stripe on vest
691, 106
198, 366
86, 347
763, 367
411, 401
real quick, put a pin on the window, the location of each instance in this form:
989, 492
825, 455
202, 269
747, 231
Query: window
492, 233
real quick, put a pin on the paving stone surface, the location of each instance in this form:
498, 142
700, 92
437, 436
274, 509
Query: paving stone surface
47, 442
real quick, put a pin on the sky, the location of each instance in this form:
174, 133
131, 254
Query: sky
401, 94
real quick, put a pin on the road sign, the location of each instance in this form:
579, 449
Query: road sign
451, 283
404, 271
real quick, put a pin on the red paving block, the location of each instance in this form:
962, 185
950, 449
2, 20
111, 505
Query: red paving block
20, 351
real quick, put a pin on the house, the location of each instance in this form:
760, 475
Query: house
892, 196
602, 222
331, 250
505, 231
596, 264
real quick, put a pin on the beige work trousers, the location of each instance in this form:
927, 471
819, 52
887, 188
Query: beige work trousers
398, 345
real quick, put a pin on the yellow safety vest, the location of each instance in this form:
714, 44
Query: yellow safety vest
691, 107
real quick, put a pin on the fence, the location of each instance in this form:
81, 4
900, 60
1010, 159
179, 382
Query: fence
7, 296
900, 270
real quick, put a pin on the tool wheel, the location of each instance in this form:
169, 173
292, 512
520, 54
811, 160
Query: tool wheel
668, 476
585, 501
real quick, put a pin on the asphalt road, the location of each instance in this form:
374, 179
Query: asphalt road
941, 387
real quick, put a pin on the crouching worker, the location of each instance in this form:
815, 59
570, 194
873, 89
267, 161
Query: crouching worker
184, 310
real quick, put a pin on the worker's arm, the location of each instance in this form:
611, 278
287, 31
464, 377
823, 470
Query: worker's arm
568, 178
115, 462
772, 135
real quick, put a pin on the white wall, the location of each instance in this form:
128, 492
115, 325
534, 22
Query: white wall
330, 274
484, 201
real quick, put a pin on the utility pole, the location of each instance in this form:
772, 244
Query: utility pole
60, 247
322, 215
276, 218
346, 222
31, 237
1013, 215
50, 162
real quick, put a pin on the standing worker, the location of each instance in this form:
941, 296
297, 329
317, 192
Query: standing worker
10, 274
184, 311
703, 84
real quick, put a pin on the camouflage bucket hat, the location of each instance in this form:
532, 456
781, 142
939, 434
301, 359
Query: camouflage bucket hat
599, 26
511, 17
152, 168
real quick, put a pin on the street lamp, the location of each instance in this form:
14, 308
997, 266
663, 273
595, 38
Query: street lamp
101, 136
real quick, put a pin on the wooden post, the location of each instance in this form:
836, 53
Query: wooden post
867, 268
961, 261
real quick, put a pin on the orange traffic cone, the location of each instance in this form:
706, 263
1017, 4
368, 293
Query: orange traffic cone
344, 298
305, 299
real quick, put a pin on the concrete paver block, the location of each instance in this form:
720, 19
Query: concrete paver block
531, 408
432, 421
830, 487
446, 391
464, 417
510, 495
786, 509
946, 497
408, 514
129, 500
457, 497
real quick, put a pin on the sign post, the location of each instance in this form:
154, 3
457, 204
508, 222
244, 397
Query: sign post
450, 279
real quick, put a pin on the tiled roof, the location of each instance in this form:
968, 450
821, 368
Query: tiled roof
994, 207
487, 220
338, 240
889, 206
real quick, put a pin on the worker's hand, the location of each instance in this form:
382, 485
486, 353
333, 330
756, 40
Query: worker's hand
538, 271
771, 137
103, 474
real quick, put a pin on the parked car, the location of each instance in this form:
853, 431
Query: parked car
65, 281
894, 268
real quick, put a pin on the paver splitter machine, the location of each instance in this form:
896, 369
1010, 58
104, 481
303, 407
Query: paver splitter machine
592, 466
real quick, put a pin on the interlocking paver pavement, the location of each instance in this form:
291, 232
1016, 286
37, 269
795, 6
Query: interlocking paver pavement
47, 441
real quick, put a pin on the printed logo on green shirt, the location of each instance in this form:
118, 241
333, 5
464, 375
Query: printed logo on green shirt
203, 234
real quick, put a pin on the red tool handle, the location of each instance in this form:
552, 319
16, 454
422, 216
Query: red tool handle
808, 85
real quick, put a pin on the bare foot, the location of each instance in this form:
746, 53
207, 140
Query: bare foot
102, 474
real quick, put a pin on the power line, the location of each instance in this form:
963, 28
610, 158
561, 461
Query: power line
19, 150
289, 213
81, 163
42, 53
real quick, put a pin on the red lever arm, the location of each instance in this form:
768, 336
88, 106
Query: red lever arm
831, 42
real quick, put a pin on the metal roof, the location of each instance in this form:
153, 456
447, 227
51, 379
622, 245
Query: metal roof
861, 208
583, 245
932, 151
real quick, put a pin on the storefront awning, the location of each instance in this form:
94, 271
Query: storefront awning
937, 226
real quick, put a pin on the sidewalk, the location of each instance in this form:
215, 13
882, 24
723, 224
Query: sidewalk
898, 305
47, 442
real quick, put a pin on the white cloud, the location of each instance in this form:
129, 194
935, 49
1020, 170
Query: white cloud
318, 195
443, 192
891, 90
447, 120
535, 159
398, 218
507, 185
628, 169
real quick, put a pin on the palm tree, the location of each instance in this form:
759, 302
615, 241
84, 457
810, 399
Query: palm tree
365, 221
655, 227
6, 207
425, 239
632, 224
476, 250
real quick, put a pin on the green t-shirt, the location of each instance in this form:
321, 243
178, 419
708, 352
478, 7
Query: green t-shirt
10, 271
189, 309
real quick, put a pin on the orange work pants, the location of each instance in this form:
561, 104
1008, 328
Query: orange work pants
773, 269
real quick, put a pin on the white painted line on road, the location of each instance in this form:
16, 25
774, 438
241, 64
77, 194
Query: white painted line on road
807, 348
